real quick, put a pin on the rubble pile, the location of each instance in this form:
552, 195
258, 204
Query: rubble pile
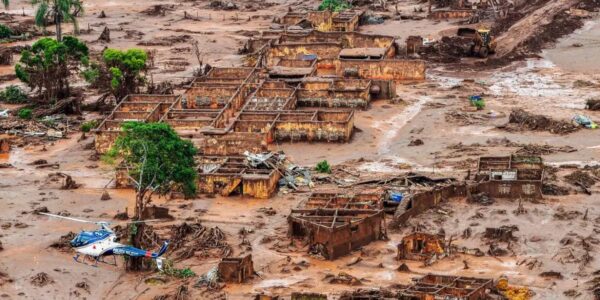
582, 179
41, 279
293, 175
342, 278
536, 150
158, 10
64, 242
191, 238
593, 104
522, 120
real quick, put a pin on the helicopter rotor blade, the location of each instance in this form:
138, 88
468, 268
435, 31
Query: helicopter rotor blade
70, 219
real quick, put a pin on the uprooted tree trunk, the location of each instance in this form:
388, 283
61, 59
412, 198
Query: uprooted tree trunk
68, 105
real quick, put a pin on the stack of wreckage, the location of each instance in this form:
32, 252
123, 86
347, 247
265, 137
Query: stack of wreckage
473, 10
303, 85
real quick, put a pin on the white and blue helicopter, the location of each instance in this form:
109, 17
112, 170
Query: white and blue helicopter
103, 242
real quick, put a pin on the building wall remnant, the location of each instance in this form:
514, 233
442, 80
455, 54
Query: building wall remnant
5, 142
236, 269
308, 296
421, 246
432, 286
229, 175
386, 69
509, 177
420, 202
451, 14
333, 233
413, 44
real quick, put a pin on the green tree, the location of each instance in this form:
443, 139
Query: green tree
157, 159
48, 65
121, 72
59, 11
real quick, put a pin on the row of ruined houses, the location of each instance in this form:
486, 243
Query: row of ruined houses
299, 86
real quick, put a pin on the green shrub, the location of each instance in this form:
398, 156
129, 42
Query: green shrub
334, 5
323, 167
5, 32
13, 94
89, 125
25, 113
170, 270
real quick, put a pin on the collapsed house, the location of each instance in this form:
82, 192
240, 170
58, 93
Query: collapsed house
333, 233
421, 246
236, 269
509, 177
433, 286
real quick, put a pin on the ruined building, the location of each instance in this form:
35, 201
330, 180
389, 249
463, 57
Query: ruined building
236, 269
422, 246
300, 85
510, 177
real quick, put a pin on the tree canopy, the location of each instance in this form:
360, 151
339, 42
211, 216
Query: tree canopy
48, 65
59, 11
121, 72
157, 159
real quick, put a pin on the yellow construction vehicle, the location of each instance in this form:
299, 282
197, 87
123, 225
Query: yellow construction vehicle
482, 43
512, 292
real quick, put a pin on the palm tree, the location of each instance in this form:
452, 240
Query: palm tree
62, 11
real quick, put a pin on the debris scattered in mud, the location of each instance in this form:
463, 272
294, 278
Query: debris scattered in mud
64, 242
554, 190
41, 209
41, 279
61, 181
522, 120
416, 142
537, 150
551, 274
4, 278
105, 196
502, 234
158, 10
593, 104
188, 239
342, 278
582, 179
83, 285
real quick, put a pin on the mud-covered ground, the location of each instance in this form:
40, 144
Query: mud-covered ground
436, 111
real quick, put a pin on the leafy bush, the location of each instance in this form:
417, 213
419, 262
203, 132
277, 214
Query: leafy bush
25, 113
323, 167
5, 32
48, 65
170, 270
89, 125
13, 95
334, 5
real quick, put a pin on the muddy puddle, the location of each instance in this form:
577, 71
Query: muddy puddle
577, 52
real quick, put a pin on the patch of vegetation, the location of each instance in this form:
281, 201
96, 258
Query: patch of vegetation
13, 95
89, 125
159, 161
170, 270
5, 32
46, 68
25, 113
323, 167
121, 72
334, 5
